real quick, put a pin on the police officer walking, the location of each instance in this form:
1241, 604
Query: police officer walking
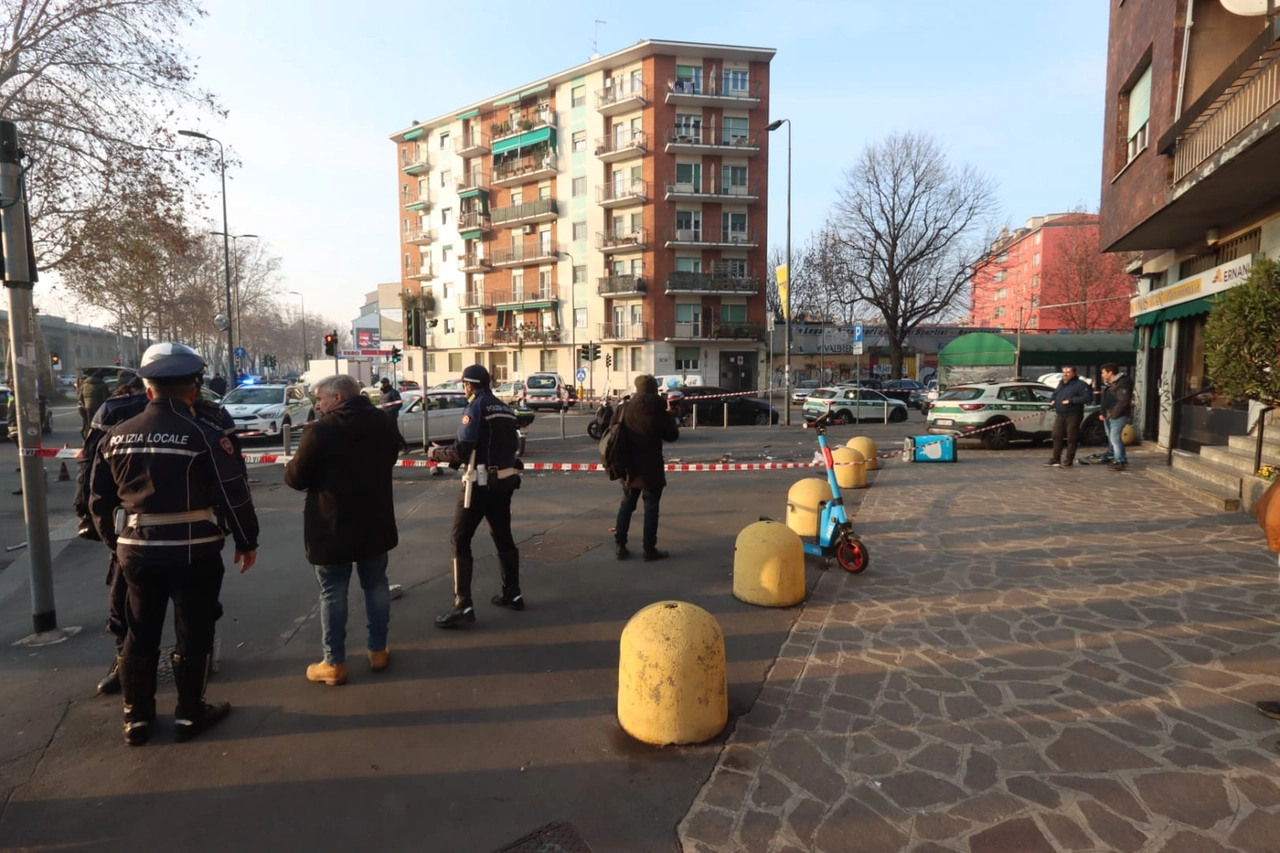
486, 446
172, 474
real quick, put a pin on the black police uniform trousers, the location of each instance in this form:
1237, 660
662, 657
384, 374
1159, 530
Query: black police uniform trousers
495, 506
194, 588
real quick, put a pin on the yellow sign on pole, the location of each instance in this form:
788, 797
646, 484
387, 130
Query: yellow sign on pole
782, 291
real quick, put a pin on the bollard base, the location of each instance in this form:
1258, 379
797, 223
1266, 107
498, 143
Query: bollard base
48, 638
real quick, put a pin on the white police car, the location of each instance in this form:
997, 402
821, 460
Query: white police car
1000, 412
265, 409
847, 404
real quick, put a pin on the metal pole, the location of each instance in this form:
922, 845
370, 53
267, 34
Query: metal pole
335, 352
226, 256
19, 277
787, 333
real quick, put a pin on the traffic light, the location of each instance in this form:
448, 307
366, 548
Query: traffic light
331, 344
395, 355
595, 352
55, 359
584, 352
608, 361
413, 329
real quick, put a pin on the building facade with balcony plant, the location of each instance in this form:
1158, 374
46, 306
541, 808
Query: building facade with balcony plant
1189, 186
620, 202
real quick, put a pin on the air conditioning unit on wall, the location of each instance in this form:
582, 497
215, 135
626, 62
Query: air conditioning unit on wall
529, 229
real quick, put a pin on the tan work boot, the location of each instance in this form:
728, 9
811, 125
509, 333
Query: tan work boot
330, 674
378, 660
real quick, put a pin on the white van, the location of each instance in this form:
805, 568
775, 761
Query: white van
548, 391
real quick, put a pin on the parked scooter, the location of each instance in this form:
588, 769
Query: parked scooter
600, 423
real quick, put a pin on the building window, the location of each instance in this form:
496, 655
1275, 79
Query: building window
689, 225
735, 130
1035, 259
580, 186
1033, 323
449, 326
580, 274
446, 213
579, 140
998, 312
445, 251
1035, 301
579, 95
1035, 281
617, 359
1001, 275
637, 355
409, 361
733, 313
1138, 103
547, 358
688, 79
580, 230
445, 177
444, 140
1002, 293
735, 179
579, 318
431, 362
687, 358
688, 264
455, 362
1002, 258
445, 290
734, 227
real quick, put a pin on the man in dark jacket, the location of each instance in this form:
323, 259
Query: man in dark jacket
648, 422
344, 463
1069, 400
1117, 407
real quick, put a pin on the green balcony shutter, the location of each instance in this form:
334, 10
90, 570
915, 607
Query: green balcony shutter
1140, 102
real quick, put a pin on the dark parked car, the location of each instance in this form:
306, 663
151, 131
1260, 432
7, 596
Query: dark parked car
908, 391
712, 403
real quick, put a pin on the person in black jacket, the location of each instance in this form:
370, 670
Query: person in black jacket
344, 463
1117, 407
1069, 400
648, 420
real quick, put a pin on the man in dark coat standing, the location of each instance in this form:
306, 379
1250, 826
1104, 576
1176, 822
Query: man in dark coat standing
344, 463
1069, 400
648, 423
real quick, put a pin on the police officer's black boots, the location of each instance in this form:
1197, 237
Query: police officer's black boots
462, 613
509, 565
194, 715
138, 683
111, 683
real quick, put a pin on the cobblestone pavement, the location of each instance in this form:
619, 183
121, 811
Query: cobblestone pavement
1035, 660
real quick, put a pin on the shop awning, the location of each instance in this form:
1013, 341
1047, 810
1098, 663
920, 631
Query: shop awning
1203, 305
468, 114
1150, 318
986, 349
414, 134
524, 140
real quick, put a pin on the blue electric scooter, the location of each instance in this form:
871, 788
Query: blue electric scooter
835, 531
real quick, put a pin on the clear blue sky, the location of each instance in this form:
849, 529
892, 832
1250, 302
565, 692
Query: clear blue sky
314, 88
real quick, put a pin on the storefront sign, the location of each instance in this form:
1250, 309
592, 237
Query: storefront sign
1216, 280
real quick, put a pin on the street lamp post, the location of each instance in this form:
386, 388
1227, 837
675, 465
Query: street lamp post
786, 308
303, 300
236, 276
226, 243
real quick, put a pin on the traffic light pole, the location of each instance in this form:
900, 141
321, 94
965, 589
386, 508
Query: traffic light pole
335, 351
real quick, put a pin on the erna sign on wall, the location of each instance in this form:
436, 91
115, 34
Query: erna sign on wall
1216, 280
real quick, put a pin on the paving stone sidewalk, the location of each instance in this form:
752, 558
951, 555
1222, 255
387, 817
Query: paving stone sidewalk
1036, 660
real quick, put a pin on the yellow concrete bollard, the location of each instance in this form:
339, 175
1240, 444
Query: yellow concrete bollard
768, 565
867, 447
1129, 435
672, 686
805, 501
850, 476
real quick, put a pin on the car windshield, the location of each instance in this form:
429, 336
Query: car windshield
823, 394
542, 382
960, 394
252, 396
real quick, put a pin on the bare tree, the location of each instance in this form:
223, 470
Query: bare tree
905, 233
94, 86
807, 281
1091, 289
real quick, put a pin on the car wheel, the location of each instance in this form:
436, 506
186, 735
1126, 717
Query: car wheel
311, 416
897, 416
762, 419
998, 438
842, 417
1093, 432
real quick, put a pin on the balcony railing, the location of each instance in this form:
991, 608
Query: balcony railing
701, 138
420, 272
415, 201
470, 300
721, 88
624, 331
737, 331
520, 170
528, 120
415, 163
627, 238
474, 262
625, 191
472, 144
473, 181
721, 237
1235, 114
705, 282
526, 333
472, 220
710, 189
476, 338
705, 328
525, 296
542, 210
419, 236
621, 285
622, 95
534, 251
621, 145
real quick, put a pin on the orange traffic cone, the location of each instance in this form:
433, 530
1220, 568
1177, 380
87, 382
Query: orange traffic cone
63, 473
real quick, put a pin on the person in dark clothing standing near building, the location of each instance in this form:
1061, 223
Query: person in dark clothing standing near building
173, 474
486, 446
218, 385
93, 393
648, 420
389, 401
1117, 407
1069, 400
344, 463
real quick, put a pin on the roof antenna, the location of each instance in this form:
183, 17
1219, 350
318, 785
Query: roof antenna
595, 39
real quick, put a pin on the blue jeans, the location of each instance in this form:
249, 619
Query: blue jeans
1115, 427
334, 581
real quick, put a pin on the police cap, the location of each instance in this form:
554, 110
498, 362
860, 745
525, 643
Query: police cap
476, 375
170, 361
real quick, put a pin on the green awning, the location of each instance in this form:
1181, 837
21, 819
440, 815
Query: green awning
417, 206
1203, 305
1157, 336
985, 349
524, 140
475, 234
977, 349
1150, 318
414, 134
473, 192
508, 100
467, 114
535, 90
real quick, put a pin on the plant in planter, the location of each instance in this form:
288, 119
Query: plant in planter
1242, 338
525, 124
1267, 472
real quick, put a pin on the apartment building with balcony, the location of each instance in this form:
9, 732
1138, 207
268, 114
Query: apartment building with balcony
1189, 184
1049, 276
620, 202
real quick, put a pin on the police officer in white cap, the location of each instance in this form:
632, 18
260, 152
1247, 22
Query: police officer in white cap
171, 474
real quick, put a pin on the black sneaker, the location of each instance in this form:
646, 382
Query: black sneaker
655, 554
622, 552
511, 602
1067, 465
1052, 463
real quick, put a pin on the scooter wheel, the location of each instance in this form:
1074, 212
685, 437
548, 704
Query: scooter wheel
852, 555
593, 430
